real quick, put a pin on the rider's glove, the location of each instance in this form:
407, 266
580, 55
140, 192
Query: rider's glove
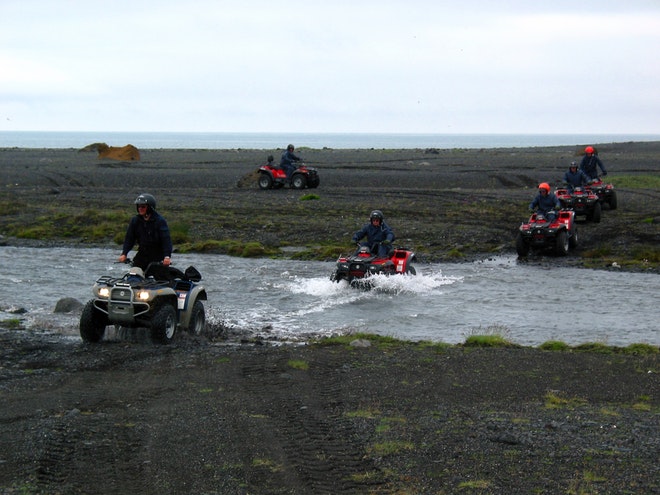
604, 173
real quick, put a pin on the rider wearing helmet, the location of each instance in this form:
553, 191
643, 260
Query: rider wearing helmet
545, 202
590, 163
574, 177
150, 231
379, 235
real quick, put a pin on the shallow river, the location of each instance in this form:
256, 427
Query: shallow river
445, 302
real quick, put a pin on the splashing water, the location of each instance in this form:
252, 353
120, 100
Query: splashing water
284, 299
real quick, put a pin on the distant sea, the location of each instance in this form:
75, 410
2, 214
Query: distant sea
259, 140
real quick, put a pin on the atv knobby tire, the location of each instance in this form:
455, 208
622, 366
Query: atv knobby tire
163, 324
573, 240
596, 214
612, 201
265, 181
197, 319
298, 181
92, 323
561, 245
522, 248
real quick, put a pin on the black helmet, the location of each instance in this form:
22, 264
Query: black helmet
573, 165
290, 147
146, 199
376, 214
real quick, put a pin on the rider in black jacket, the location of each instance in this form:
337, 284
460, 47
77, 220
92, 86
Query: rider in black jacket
150, 231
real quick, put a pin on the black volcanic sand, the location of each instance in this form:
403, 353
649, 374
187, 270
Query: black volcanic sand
213, 416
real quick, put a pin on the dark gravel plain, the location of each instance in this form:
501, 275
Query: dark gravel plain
214, 416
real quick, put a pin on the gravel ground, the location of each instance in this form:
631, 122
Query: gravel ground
207, 416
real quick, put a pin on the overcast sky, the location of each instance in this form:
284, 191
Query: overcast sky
436, 66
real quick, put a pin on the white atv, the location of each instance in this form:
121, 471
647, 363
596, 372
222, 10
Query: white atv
162, 299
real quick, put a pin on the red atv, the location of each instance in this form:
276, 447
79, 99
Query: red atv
582, 200
363, 264
539, 233
605, 192
272, 176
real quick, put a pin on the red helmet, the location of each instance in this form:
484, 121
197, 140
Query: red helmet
589, 150
544, 185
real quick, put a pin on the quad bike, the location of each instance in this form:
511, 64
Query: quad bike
272, 176
540, 233
358, 267
605, 192
162, 299
582, 200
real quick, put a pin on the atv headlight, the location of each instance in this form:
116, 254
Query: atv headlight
104, 292
143, 295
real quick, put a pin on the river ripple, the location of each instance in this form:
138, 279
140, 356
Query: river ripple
295, 299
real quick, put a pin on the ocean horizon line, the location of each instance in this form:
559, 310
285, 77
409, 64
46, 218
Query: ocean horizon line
279, 140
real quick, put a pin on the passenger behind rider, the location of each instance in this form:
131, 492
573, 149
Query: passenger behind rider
574, 177
379, 235
545, 202
287, 162
150, 232
590, 163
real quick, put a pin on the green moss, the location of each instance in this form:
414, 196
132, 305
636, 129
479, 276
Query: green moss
11, 323
555, 401
391, 447
253, 250
641, 349
298, 364
488, 341
636, 181
554, 345
597, 347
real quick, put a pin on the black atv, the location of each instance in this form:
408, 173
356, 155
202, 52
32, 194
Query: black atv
162, 299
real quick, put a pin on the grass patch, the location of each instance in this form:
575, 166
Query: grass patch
455, 253
229, 247
641, 349
555, 401
487, 341
269, 464
596, 347
642, 404
491, 336
310, 197
391, 447
599, 252
298, 364
554, 345
474, 485
11, 324
364, 414
382, 342
646, 254
636, 181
